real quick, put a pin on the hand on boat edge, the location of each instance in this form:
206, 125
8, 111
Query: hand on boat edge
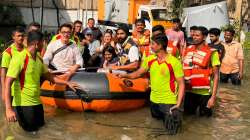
73, 86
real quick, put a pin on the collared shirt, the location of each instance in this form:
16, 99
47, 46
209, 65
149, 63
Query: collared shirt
30, 93
6, 57
233, 53
65, 58
160, 78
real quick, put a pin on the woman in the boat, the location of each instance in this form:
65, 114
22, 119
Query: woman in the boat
109, 57
107, 41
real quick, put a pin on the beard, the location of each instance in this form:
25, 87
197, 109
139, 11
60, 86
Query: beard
121, 40
213, 41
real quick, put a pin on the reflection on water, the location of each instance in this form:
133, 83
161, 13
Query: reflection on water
231, 121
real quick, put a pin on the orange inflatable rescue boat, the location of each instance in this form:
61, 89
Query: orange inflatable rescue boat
101, 92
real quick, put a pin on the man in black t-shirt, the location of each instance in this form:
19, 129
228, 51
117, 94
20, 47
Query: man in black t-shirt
214, 34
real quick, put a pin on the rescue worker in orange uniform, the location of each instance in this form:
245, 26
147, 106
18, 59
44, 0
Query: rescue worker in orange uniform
141, 36
201, 69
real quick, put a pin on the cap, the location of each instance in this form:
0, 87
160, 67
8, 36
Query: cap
89, 32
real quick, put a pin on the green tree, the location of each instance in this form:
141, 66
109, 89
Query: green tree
10, 15
177, 7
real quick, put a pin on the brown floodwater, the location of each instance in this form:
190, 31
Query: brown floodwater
230, 121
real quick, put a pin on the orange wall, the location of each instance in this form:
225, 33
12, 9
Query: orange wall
100, 8
133, 9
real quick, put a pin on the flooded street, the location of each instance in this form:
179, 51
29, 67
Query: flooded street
231, 121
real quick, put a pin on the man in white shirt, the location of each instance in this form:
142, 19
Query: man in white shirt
63, 54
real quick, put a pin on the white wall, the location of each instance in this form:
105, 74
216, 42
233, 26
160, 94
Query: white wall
50, 16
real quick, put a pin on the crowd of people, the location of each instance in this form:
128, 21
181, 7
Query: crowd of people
184, 72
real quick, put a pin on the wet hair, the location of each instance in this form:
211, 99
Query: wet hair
231, 30
193, 27
161, 39
67, 25
91, 19
34, 36
176, 20
111, 50
158, 28
36, 24
18, 29
140, 20
203, 30
214, 31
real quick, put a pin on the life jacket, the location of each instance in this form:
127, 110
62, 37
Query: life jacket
172, 47
143, 41
171, 73
123, 53
196, 65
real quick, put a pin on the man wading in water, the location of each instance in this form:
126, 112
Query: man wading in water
27, 68
201, 67
167, 83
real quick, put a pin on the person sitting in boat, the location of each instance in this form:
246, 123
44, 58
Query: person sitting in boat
73, 37
128, 51
167, 83
63, 54
109, 58
107, 41
90, 56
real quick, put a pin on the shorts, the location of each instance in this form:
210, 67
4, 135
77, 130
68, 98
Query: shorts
30, 118
234, 77
171, 121
194, 101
